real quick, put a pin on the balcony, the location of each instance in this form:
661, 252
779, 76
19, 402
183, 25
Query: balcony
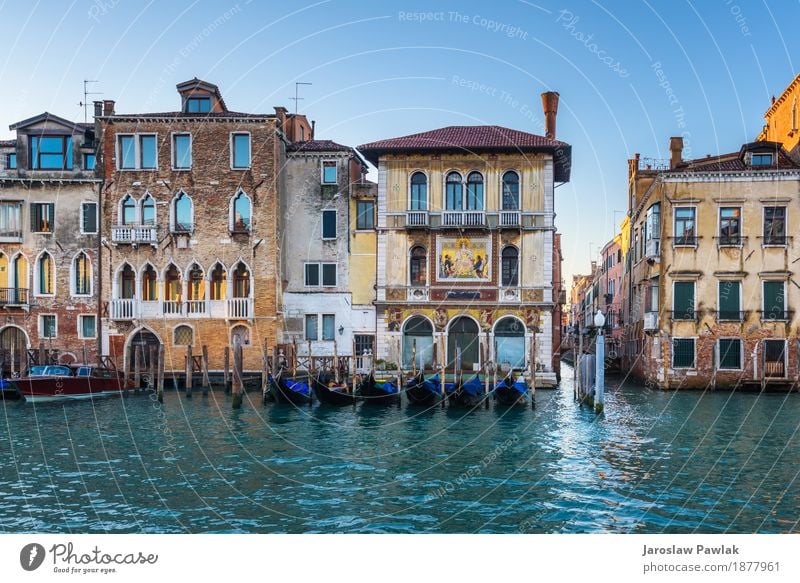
124, 309
684, 241
776, 315
685, 315
133, 309
13, 296
10, 236
240, 309
134, 234
417, 219
730, 316
650, 321
510, 219
463, 219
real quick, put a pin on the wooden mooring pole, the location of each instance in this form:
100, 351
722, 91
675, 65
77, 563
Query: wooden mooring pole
206, 378
533, 369
238, 385
160, 379
226, 374
137, 368
151, 369
189, 366
265, 372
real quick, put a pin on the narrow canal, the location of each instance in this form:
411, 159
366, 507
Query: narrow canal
656, 462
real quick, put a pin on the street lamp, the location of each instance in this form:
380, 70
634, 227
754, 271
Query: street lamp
599, 321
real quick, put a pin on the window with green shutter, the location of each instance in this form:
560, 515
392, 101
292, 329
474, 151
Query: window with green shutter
683, 352
683, 300
730, 354
729, 301
774, 300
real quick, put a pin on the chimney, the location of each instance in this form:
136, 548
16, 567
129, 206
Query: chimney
108, 107
313, 128
550, 106
675, 152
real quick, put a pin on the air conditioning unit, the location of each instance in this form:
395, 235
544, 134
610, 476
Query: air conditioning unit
653, 249
182, 242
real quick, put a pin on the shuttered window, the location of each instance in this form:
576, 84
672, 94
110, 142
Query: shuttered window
729, 300
730, 354
683, 352
774, 300
683, 300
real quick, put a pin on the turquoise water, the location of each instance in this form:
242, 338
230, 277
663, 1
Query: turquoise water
656, 462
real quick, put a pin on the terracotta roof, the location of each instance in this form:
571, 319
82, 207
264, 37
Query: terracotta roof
735, 161
318, 146
474, 139
8, 143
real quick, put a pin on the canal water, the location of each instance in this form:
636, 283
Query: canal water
655, 462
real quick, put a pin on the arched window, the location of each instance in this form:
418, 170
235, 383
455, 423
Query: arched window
148, 210
218, 280
45, 275
475, 191
240, 335
454, 192
417, 331
149, 284
19, 280
197, 284
183, 335
82, 275
510, 266
183, 214
419, 192
172, 284
240, 213
511, 191
127, 283
241, 281
127, 213
509, 337
418, 266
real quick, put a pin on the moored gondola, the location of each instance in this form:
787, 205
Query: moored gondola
286, 390
468, 394
510, 391
422, 391
329, 392
378, 391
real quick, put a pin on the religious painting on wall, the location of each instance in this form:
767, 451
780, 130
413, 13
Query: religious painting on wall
463, 259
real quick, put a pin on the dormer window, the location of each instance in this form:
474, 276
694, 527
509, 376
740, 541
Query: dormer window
198, 105
761, 160
51, 152
11, 161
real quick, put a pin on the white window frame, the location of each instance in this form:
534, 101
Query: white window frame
140, 209
718, 355
249, 150
319, 274
96, 217
500, 187
783, 245
741, 225
73, 276
137, 151
675, 207
335, 224
719, 301
249, 334
694, 295
173, 157
316, 328
80, 326
41, 326
53, 226
173, 215
322, 278
322, 171
36, 281
763, 298
694, 357
175, 330
321, 320
428, 201
374, 219
232, 212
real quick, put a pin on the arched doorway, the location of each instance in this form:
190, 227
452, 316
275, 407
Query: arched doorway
419, 331
13, 350
509, 340
143, 340
463, 333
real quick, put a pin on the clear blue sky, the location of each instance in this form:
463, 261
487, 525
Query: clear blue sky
379, 71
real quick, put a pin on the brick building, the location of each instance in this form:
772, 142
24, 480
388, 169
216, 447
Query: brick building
48, 241
189, 214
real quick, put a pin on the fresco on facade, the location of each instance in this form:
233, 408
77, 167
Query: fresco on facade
463, 259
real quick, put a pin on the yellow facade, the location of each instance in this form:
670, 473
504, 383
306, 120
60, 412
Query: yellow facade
782, 121
363, 252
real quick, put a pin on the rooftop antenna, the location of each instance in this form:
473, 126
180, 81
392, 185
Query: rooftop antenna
86, 93
297, 97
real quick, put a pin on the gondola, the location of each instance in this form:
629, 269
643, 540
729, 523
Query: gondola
422, 391
331, 393
285, 390
510, 392
467, 394
378, 392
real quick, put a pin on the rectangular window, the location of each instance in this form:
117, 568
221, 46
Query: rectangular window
240, 151
11, 219
683, 353
198, 105
775, 225
11, 161
365, 210
51, 152
652, 296
126, 154
730, 293
181, 151
762, 160
137, 152
730, 226
685, 233
147, 152
88, 161
683, 300
328, 224
89, 218
775, 358
312, 274
730, 354
47, 326
363, 343
311, 326
42, 217
329, 275
774, 301
87, 327
329, 172
328, 327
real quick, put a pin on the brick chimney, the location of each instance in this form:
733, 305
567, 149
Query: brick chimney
675, 152
108, 107
550, 106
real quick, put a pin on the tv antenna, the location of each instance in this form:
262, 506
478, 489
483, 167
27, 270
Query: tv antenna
297, 99
86, 93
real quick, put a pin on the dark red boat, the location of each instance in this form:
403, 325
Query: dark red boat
57, 382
